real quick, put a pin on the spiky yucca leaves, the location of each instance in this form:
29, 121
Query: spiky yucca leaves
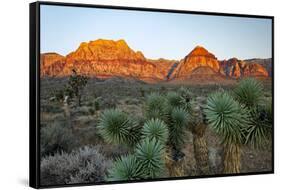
174, 99
126, 168
260, 130
229, 120
150, 154
155, 107
249, 92
157, 129
177, 127
116, 127
186, 98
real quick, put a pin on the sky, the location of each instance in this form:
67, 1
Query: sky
156, 34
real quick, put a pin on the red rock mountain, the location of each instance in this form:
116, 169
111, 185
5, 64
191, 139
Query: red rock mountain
199, 57
104, 58
107, 58
51, 64
235, 68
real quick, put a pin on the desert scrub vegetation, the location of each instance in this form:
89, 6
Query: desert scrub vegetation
124, 125
55, 138
83, 165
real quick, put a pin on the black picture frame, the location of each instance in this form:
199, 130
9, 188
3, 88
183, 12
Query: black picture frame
34, 89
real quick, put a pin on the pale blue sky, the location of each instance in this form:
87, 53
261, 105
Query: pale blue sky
156, 34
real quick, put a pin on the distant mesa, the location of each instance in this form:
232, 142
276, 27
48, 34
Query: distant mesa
108, 58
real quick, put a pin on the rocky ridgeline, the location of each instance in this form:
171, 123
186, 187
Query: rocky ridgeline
108, 58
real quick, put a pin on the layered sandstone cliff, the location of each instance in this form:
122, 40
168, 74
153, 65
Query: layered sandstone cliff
108, 58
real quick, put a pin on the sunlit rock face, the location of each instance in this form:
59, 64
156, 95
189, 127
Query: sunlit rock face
107, 58
198, 57
51, 64
235, 68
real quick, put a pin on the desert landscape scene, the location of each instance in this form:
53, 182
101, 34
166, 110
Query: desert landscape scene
109, 112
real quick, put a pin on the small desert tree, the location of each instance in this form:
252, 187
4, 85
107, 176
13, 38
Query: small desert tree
75, 85
229, 120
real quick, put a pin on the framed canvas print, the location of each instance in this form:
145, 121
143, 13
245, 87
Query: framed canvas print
126, 94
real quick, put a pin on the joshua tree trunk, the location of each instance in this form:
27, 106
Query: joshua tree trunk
175, 167
232, 156
201, 149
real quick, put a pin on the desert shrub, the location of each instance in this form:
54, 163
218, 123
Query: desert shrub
156, 107
157, 129
81, 166
150, 154
56, 137
249, 92
116, 127
174, 100
97, 103
126, 168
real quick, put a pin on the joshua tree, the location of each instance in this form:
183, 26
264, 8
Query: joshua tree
198, 127
177, 127
157, 129
150, 154
230, 120
126, 168
249, 92
174, 100
116, 127
187, 97
260, 130
155, 107
75, 85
